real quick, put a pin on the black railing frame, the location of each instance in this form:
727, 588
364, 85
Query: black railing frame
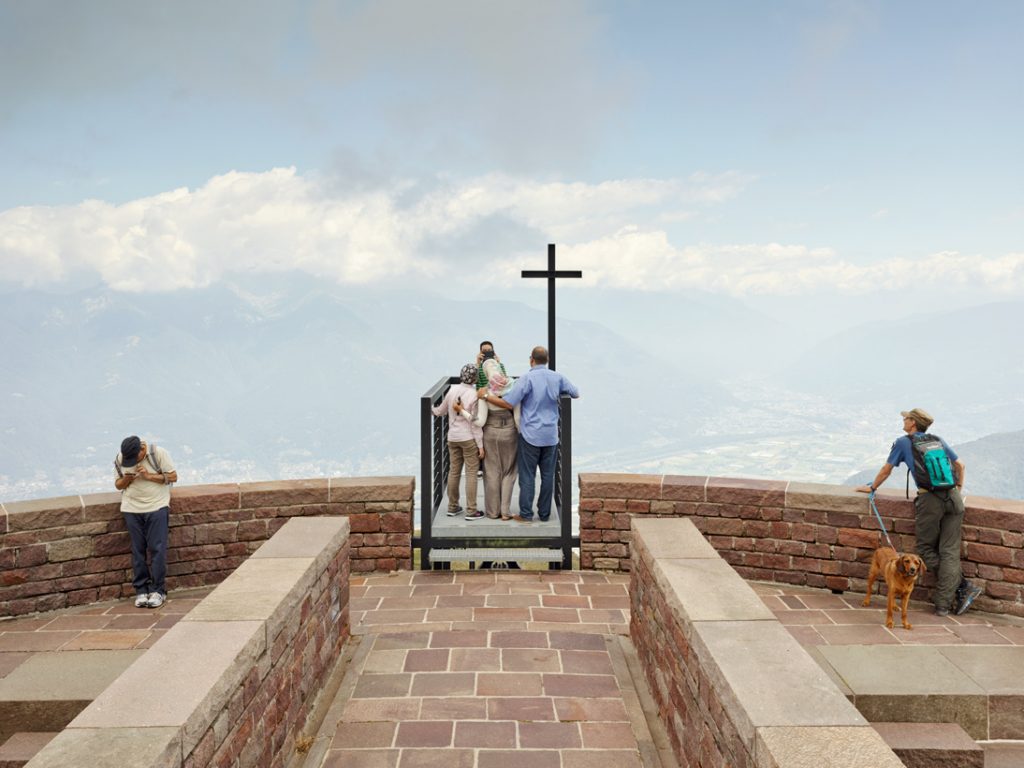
435, 466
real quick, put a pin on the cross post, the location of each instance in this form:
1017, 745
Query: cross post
551, 274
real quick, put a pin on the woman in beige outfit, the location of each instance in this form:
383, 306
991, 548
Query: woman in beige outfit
501, 441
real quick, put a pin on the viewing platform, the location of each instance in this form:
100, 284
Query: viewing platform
480, 628
443, 540
329, 650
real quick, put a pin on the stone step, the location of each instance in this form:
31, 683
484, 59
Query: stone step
22, 747
47, 691
979, 687
932, 745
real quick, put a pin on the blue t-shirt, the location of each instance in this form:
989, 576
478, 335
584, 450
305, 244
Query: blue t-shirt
902, 452
538, 392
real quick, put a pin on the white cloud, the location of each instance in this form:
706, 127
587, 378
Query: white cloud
646, 260
280, 221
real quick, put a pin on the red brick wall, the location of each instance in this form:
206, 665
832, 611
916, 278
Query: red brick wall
798, 533
266, 714
73, 550
689, 704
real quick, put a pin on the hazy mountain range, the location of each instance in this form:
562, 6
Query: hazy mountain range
992, 467
301, 379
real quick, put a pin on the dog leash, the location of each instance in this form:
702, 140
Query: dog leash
874, 508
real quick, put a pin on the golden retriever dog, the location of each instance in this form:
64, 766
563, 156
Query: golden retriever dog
900, 573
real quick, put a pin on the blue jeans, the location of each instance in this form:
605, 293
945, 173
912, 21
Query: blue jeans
148, 530
530, 457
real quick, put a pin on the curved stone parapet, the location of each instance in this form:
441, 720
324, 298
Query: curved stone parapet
74, 550
798, 533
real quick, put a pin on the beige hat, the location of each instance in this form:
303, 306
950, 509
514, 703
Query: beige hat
921, 417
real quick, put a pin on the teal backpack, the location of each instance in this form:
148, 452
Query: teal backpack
932, 468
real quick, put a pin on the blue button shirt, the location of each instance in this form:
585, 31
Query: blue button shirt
538, 392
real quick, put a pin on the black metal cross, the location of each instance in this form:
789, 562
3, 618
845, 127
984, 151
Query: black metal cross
551, 274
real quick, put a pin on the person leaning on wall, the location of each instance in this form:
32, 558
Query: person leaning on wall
938, 508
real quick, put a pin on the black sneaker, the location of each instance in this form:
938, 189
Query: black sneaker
476, 514
454, 512
965, 598
941, 611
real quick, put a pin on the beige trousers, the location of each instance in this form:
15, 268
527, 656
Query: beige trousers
464, 452
500, 446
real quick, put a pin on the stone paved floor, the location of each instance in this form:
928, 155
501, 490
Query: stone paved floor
490, 670
505, 600
818, 617
497, 668
111, 626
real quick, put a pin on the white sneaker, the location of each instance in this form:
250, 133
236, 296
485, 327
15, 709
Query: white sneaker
155, 600
142, 600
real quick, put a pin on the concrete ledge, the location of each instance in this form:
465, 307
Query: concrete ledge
733, 686
232, 682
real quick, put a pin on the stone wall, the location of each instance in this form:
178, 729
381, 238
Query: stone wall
232, 683
732, 686
798, 533
74, 550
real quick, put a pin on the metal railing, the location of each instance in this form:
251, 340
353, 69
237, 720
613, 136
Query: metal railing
435, 466
434, 461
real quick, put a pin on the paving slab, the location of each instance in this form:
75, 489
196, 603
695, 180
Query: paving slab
743, 657
996, 669
111, 748
10, 662
48, 690
822, 747
1003, 754
64, 675
22, 747
184, 680
910, 684
898, 670
672, 537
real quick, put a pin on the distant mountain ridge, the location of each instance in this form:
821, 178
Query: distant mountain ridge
254, 380
994, 466
959, 362
295, 380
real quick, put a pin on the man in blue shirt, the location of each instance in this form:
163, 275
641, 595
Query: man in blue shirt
538, 393
938, 515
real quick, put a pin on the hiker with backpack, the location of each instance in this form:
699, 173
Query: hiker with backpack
144, 476
938, 507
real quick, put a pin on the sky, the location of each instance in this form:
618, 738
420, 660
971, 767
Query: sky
752, 149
